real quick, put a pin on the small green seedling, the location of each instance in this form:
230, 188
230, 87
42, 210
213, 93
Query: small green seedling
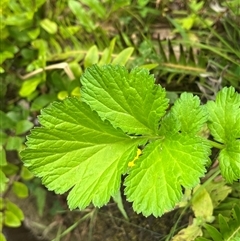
84, 146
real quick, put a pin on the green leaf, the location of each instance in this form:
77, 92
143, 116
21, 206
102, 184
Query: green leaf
3, 181
62, 95
29, 86
233, 233
26, 174
213, 232
49, 26
68, 31
229, 160
95, 6
118, 200
15, 209
81, 14
42, 101
224, 123
76, 151
5, 55
23, 126
203, 239
11, 220
38, 3
2, 237
76, 69
2, 203
224, 115
188, 22
20, 189
107, 53
154, 184
223, 225
76, 92
14, 143
10, 169
3, 160
13, 215
91, 56
34, 33
40, 194
191, 115
3, 137
130, 101
6, 122
123, 57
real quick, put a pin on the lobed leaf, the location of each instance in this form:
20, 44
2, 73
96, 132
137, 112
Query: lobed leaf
224, 124
224, 115
76, 151
178, 160
154, 184
190, 114
229, 161
130, 101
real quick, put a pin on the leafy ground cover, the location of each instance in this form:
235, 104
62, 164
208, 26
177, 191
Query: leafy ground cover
45, 49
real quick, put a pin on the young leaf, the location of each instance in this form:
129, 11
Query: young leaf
224, 124
130, 101
76, 151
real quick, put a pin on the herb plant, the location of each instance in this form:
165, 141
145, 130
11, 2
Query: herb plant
85, 145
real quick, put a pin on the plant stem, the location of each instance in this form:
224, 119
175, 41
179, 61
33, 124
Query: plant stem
216, 144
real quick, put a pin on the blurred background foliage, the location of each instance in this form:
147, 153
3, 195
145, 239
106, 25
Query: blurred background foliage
188, 45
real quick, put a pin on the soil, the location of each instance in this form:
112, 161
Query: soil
92, 224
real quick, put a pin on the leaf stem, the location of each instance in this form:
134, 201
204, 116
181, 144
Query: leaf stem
149, 137
216, 144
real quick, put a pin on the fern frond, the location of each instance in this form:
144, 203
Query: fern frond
177, 62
